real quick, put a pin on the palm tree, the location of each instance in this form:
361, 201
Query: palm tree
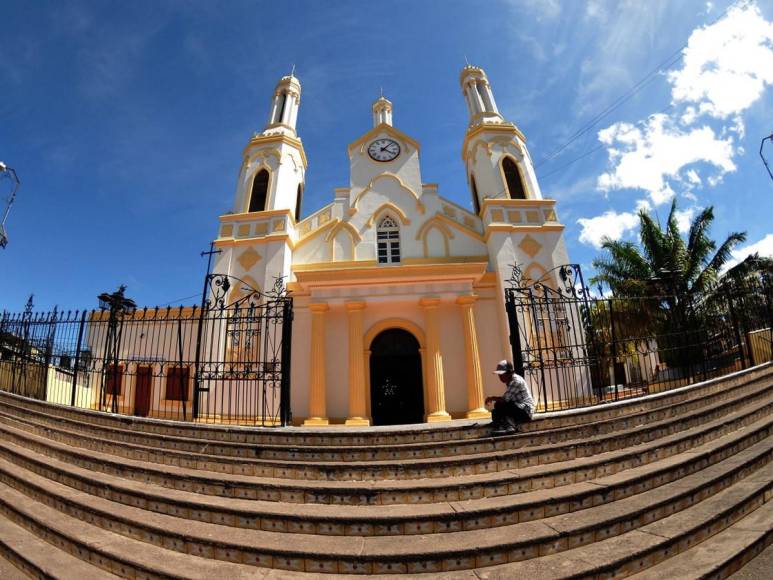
664, 280
665, 264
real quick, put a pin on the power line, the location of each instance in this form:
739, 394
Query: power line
666, 64
181, 299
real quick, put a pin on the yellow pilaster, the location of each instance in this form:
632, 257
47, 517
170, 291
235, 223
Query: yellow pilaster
358, 413
436, 394
317, 391
475, 401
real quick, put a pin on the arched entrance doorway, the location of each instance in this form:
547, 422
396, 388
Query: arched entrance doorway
396, 385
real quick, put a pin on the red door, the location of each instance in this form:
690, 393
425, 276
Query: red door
142, 392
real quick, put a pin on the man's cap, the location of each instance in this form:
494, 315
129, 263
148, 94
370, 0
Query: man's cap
504, 366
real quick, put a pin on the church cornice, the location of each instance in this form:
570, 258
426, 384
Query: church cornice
490, 128
260, 140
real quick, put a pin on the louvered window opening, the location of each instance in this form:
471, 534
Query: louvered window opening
388, 239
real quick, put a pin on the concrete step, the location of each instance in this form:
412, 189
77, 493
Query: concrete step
289, 456
401, 491
482, 462
108, 553
640, 549
456, 550
390, 492
722, 554
23, 554
379, 436
485, 456
399, 519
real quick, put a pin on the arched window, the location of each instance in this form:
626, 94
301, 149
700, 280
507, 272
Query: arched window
388, 241
513, 178
475, 201
298, 200
259, 191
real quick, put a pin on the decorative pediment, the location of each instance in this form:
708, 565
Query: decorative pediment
378, 130
386, 175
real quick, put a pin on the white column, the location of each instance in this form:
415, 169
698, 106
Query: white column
484, 92
477, 101
274, 105
296, 103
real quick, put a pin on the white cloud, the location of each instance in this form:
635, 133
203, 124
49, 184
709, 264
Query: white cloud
764, 247
727, 65
610, 225
650, 155
684, 218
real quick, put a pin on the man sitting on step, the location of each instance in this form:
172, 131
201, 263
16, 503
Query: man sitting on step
515, 407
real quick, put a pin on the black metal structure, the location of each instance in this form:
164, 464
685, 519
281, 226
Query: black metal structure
225, 362
575, 349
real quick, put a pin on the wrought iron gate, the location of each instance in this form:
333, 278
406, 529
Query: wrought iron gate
575, 349
552, 337
250, 376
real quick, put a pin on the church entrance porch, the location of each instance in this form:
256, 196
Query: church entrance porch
396, 383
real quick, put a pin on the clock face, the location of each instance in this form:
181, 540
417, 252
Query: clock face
384, 149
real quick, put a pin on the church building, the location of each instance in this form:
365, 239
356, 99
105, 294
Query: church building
399, 311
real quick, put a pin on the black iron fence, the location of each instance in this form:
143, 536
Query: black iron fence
219, 363
575, 349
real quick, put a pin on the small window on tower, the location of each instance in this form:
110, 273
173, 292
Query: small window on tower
388, 241
513, 178
475, 202
259, 191
298, 200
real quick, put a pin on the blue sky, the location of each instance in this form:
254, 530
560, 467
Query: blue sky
126, 120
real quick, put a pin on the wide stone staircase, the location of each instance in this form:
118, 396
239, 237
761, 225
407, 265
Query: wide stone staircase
675, 485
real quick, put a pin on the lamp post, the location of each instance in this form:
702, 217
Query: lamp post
10, 173
117, 304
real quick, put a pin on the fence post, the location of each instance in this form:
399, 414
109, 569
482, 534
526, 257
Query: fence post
77, 358
736, 329
287, 337
49, 349
614, 347
515, 339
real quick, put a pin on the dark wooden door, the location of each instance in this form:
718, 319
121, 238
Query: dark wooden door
396, 386
142, 391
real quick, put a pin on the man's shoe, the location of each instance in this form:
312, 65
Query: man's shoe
504, 430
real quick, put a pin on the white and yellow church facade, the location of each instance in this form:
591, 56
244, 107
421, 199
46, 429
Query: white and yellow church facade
399, 311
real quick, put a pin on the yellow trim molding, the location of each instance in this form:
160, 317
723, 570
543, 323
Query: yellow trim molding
382, 128
259, 140
392, 208
355, 205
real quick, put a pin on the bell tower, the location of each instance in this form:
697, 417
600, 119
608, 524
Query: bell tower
494, 151
274, 163
255, 237
520, 227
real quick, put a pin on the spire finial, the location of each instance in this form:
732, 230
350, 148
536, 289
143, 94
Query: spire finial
381, 91
292, 72
466, 61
